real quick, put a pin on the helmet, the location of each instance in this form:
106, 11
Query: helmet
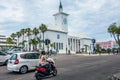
43, 52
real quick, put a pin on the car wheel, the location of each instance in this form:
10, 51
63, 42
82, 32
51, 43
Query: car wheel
23, 69
6, 62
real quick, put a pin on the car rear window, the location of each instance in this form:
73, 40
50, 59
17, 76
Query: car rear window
30, 56
13, 57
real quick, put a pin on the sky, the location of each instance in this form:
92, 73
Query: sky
90, 17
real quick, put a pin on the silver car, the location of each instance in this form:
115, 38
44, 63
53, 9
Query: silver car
22, 62
14, 50
4, 57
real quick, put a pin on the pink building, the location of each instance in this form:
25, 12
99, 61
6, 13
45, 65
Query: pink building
108, 44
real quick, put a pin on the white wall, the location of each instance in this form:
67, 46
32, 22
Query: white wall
52, 35
84, 41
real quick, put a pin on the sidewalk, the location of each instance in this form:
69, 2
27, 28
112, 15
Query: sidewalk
94, 54
80, 54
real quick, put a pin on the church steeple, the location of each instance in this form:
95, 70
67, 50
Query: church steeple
61, 19
60, 7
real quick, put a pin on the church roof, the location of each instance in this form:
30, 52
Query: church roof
55, 28
79, 35
61, 13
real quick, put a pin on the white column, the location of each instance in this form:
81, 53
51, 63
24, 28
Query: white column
75, 44
72, 44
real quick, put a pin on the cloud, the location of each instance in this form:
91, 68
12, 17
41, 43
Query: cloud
91, 17
12, 11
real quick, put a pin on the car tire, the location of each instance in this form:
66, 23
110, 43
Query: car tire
23, 69
5, 62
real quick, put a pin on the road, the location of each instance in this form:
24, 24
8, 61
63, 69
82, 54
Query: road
74, 67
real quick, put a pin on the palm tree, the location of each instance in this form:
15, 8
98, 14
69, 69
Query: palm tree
43, 29
34, 42
18, 34
22, 31
28, 32
13, 35
9, 41
35, 32
23, 43
114, 30
39, 41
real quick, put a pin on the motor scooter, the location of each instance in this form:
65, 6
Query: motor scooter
43, 71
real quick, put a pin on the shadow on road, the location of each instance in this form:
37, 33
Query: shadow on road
17, 73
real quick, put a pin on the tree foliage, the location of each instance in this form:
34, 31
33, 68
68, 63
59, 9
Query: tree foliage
98, 48
9, 41
114, 30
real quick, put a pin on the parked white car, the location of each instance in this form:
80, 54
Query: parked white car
22, 62
14, 50
4, 57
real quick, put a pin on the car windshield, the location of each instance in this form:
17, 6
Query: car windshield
2, 53
15, 49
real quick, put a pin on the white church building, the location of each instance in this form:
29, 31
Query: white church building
64, 41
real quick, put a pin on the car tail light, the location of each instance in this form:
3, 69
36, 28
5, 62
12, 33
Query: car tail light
16, 61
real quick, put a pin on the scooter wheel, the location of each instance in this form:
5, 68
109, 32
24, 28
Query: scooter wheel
54, 72
38, 76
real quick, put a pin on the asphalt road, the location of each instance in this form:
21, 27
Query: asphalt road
74, 67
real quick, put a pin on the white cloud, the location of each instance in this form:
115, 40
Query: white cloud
13, 11
94, 16
86, 16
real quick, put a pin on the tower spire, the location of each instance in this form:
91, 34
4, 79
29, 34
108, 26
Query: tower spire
60, 7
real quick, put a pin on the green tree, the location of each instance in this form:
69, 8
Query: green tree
98, 48
34, 42
52, 45
35, 32
22, 31
39, 41
13, 35
114, 30
9, 41
28, 32
22, 43
18, 34
43, 29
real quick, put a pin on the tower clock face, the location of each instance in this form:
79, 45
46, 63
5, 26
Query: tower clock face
65, 21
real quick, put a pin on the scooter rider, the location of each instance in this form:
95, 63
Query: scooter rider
44, 62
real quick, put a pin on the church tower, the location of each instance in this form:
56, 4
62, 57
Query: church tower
61, 19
